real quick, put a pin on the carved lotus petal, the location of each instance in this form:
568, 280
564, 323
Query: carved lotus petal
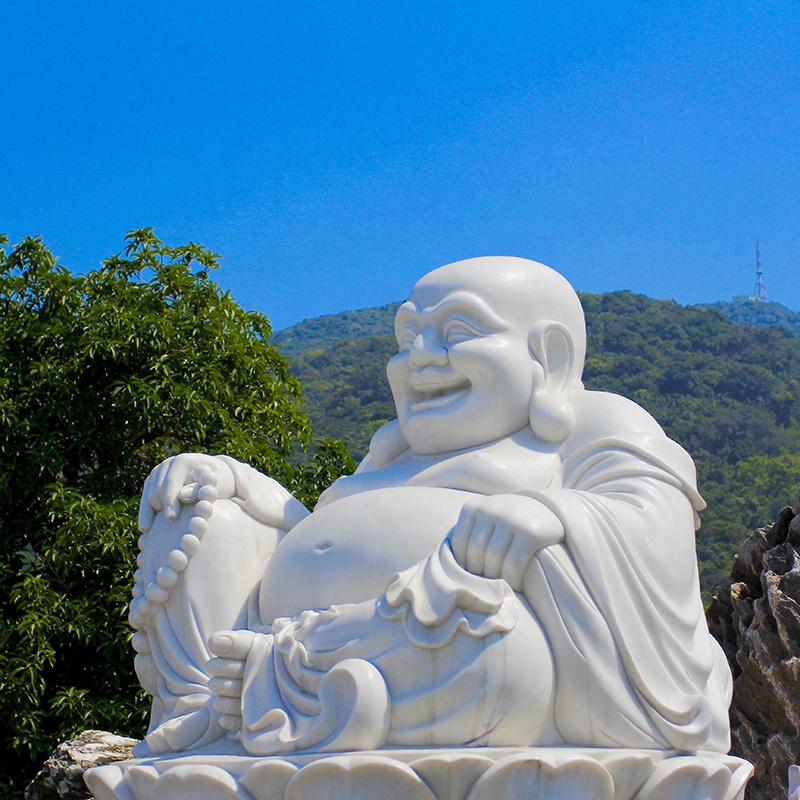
141, 779
268, 779
522, 777
198, 781
103, 782
452, 775
689, 778
357, 777
629, 770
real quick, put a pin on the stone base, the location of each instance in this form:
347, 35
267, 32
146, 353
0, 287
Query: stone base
507, 773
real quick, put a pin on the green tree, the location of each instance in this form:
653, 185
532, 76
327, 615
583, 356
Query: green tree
103, 375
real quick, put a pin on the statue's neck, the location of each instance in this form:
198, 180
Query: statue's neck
511, 464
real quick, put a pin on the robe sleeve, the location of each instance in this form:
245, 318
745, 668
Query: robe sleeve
619, 600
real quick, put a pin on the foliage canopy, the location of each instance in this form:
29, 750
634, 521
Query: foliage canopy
102, 376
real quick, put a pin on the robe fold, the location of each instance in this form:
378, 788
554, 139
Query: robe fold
609, 625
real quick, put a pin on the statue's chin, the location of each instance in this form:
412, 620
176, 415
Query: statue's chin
440, 431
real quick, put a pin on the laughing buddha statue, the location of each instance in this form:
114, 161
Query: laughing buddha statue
512, 564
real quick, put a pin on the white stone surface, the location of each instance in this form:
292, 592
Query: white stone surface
464, 774
512, 565
794, 782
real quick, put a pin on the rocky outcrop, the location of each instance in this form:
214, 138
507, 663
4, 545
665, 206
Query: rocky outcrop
61, 777
757, 621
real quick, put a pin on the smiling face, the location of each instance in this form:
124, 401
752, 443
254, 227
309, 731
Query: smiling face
464, 374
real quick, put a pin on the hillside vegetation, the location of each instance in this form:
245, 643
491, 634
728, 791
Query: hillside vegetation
730, 394
751, 311
321, 332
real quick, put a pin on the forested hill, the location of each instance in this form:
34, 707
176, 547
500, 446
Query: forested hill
730, 394
324, 331
752, 311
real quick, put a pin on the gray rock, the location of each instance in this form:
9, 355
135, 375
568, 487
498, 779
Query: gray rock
61, 777
757, 621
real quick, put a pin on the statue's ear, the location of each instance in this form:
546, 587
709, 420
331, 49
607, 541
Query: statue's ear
551, 415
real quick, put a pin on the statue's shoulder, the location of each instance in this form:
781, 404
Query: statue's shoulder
610, 422
603, 415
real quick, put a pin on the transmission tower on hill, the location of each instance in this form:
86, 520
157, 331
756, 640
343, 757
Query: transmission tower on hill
760, 291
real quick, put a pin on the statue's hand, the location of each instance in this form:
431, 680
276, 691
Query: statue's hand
179, 480
227, 670
498, 536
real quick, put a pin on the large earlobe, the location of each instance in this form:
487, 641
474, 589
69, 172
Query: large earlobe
551, 415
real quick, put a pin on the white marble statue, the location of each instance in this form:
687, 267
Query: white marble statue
512, 566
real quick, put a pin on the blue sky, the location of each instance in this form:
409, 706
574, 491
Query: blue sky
333, 152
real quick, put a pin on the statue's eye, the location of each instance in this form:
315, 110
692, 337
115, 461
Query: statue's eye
406, 338
459, 331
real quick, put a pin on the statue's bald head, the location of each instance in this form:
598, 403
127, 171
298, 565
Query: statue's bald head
487, 346
522, 291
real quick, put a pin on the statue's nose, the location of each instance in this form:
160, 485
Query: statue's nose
427, 351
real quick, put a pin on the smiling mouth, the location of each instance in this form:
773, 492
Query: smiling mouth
433, 395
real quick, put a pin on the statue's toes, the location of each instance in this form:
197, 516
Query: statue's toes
180, 733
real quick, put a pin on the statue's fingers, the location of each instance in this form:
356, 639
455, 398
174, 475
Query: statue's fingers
174, 480
225, 668
225, 687
188, 494
496, 550
146, 516
146, 511
519, 556
151, 489
160, 475
231, 644
230, 706
205, 474
476, 549
460, 536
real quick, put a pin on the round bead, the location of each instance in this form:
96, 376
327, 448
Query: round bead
139, 606
156, 594
208, 493
178, 560
166, 577
204, 509
138, 576
142, 541
135, 618
140, 559
140, 642
198, 526
190, 544
138, 590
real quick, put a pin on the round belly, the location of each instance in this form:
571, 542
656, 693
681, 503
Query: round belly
347, 552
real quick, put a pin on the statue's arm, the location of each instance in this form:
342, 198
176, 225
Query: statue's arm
499, 536
263, 498
179, 481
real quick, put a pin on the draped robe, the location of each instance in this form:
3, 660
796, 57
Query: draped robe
608, 634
